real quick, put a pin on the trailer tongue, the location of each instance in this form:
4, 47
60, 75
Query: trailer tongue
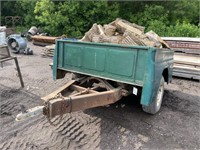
79, 94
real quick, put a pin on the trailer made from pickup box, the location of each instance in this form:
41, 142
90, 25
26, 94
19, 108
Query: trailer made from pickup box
103, 74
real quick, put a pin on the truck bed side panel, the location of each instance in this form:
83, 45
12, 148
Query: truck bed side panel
114, 62
157, 62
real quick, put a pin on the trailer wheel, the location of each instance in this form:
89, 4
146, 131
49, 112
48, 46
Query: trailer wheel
154, 107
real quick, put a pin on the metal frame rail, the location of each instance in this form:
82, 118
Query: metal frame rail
78, 94
5, 56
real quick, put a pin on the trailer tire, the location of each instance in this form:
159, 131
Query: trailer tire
154, 107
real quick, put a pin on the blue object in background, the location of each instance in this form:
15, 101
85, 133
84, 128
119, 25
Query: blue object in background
70, 39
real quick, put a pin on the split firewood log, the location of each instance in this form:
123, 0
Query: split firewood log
88, 35
154, 37
123, 25
109, 30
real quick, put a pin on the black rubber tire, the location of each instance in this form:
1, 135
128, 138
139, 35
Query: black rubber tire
155, 106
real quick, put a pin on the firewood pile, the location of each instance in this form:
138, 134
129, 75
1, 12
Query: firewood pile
48, 50
123, 32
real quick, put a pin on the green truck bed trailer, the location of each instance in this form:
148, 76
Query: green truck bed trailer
103, 73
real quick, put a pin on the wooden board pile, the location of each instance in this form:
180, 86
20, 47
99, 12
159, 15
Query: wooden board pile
186, 65
48, 50
123, 32
186, 56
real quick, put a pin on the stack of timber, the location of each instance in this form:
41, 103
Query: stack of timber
43, 40
184, 44
123, 32
186, 56
48, 50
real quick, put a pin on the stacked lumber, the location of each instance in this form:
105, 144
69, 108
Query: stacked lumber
123, 32
184, 44
187, 65
186, 56
48, 50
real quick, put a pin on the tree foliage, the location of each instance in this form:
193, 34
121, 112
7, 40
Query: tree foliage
26, 10
183, 29
74, 18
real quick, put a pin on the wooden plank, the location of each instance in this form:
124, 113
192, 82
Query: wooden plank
193, 59
187, 51
185, 75
192, 72
184, 44
186, 65
52, 95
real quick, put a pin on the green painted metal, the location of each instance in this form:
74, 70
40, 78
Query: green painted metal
134, 65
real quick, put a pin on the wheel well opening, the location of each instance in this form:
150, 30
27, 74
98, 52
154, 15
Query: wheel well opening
165, 74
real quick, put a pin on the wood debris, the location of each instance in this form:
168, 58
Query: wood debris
123, 32
48, 51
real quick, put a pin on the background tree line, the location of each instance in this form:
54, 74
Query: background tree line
74, 18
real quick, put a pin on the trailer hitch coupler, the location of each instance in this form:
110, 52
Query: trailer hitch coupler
30, 113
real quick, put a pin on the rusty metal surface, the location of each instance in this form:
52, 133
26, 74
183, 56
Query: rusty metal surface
55, 93
80, 94
70, 104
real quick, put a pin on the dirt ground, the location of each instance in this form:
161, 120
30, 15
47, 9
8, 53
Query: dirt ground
121, 126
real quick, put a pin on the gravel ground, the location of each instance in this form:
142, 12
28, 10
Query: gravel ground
122, 125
